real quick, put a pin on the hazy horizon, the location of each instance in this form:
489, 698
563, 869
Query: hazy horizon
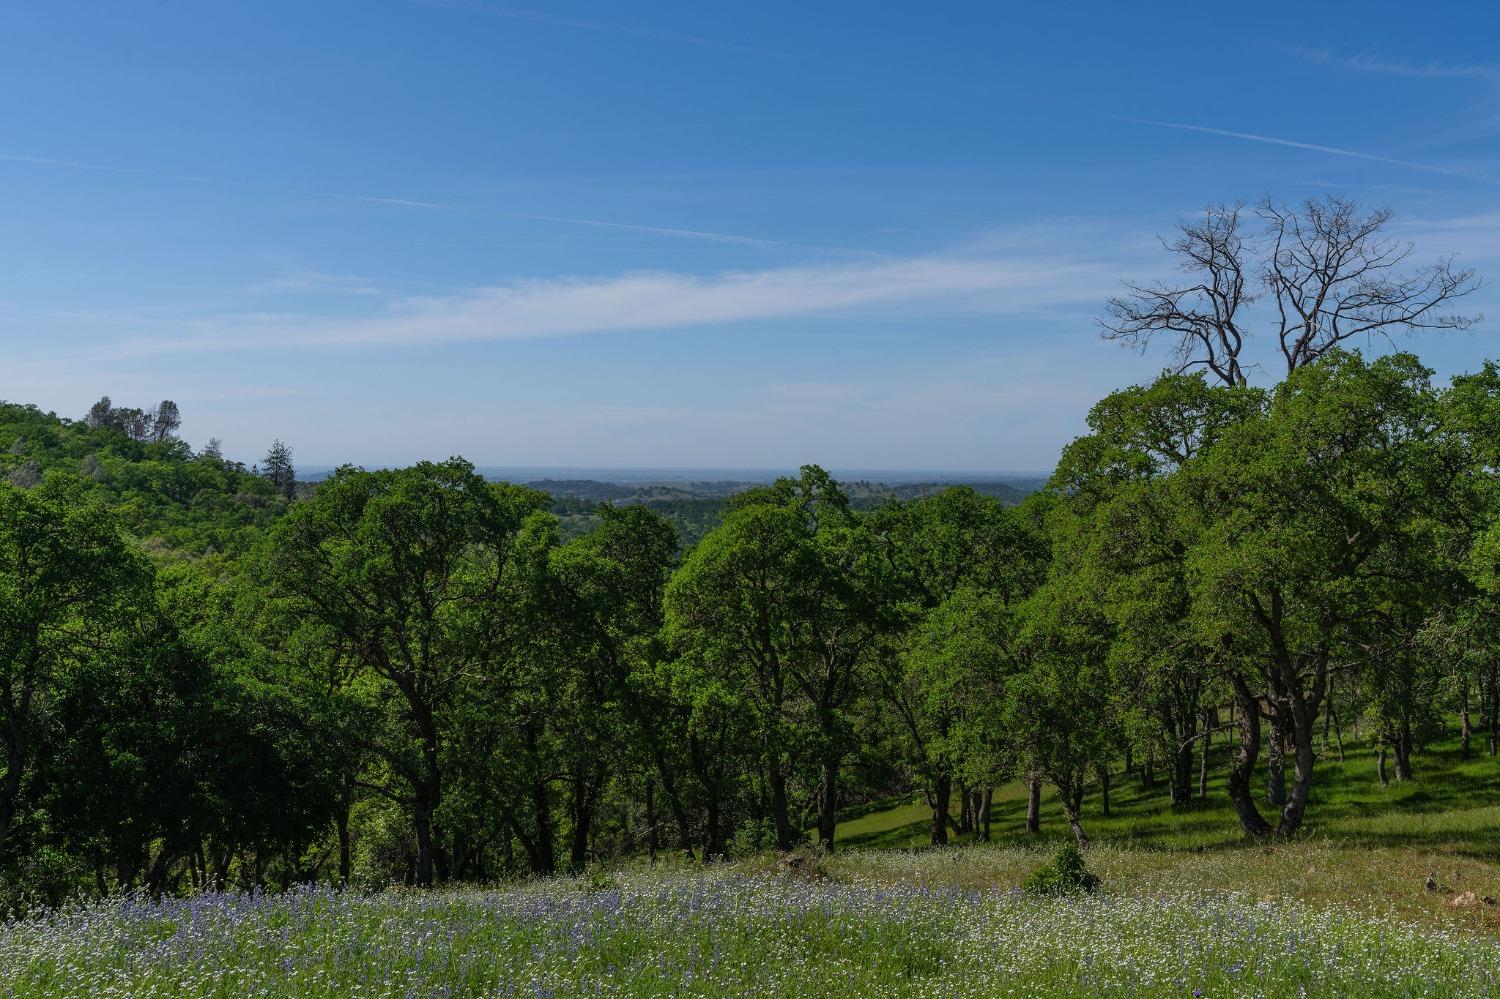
640, 474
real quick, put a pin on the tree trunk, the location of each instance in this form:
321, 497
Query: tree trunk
942, 794
460, 857
1182, 772
1401, 747
651, 834
542, 851
441, 866
713, 835
1247, 718
828, 801
1276, 759
583, 823
422, 820
1385, 780
984, 813
1305, 756
674, 803
1104, 788
341, 822
1465, 728
1338, 728
1034, 804
786, 838
1070, 796
1077, 827
1210, 722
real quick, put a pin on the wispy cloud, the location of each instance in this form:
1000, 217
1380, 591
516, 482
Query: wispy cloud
302, 279
653, 230
1010, 283
1368, 63
1312, 147
1479, 119
670, 300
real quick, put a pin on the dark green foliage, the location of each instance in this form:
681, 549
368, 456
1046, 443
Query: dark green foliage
1065, 875
277, 469
416, 675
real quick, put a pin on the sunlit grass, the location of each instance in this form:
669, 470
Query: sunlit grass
1452, 805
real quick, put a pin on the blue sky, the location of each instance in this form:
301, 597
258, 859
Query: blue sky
680, 234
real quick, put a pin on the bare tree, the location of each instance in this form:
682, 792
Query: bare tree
1202, 313
1328, 266
1333, 274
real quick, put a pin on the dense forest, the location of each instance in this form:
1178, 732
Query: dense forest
218, 675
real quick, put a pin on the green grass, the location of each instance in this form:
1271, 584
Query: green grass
1362, 844
1452, 805
1186, 907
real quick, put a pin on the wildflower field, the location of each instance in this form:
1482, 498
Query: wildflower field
877, 923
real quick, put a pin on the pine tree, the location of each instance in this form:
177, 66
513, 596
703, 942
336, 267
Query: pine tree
165, 420
101, 413
278, 469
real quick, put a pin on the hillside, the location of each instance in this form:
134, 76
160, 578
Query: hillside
163, 493
172, 498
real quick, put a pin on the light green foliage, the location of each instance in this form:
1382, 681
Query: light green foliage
962, 564
782, 604
419, 578
156, 488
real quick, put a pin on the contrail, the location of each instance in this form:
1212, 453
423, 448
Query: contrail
717, 237
1336, 151
720, 237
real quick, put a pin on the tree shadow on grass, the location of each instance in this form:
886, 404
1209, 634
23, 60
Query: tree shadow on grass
1452, 805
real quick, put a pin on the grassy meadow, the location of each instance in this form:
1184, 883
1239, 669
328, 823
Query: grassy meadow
865, 923
1186, 909
1451, 805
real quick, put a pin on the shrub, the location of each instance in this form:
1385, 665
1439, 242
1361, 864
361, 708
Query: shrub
596, 878
754, 836
1066, 875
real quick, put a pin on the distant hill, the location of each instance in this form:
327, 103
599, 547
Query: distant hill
696, 507
172, 498
166, 495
